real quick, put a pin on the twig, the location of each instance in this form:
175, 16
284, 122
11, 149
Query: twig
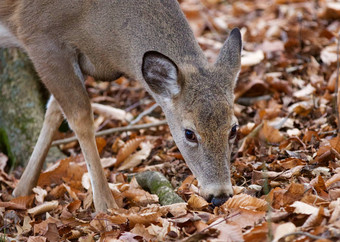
303, 233
144, 113
113, 130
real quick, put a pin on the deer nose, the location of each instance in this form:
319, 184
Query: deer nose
219, 200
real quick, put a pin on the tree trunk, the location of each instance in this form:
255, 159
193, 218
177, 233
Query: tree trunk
21, 106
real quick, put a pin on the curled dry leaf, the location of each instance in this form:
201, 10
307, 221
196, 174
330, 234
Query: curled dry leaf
197, 202
176, 209
135, 159
128, 149
187, 184
42, 208
40, 194
334, 179
247, 202
139, 197
284, 229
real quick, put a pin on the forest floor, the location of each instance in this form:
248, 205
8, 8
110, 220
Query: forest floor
285, 164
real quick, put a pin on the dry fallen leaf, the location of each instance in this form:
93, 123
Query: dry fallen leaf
284, 229
197, 203
137, 158
128, 149
303, 208
270, 134
246, 202
42, 208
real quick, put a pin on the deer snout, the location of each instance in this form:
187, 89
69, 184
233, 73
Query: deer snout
217, 195
218, 201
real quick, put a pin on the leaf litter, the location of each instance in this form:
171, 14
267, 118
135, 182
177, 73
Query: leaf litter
285, 167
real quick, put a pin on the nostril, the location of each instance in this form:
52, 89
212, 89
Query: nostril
210, 198
218, 201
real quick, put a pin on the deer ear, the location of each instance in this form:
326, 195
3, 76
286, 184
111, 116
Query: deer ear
161, 74
230, 54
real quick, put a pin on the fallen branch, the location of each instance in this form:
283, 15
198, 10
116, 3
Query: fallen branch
113, 130
156, 183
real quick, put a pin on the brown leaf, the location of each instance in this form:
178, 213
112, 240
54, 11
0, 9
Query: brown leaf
258, 233
42, 227
42, 208
36, 239
22, 202
128, 149
101, 143
246, 202
245, 217
197, 203
334, 179
294, 193
303, 208
315, 218
270, 134
319, 184
73, 206
284, 229
140, 230
66, 169
139, 197
137, 158
228, 231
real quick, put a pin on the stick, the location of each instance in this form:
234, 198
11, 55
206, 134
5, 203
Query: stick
144, 113
113, 130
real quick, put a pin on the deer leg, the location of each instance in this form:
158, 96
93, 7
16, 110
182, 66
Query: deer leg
29, 179
58, 67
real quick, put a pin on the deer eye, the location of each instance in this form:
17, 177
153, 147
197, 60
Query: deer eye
190, 135
233, 132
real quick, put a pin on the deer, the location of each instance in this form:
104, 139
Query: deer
145, 40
